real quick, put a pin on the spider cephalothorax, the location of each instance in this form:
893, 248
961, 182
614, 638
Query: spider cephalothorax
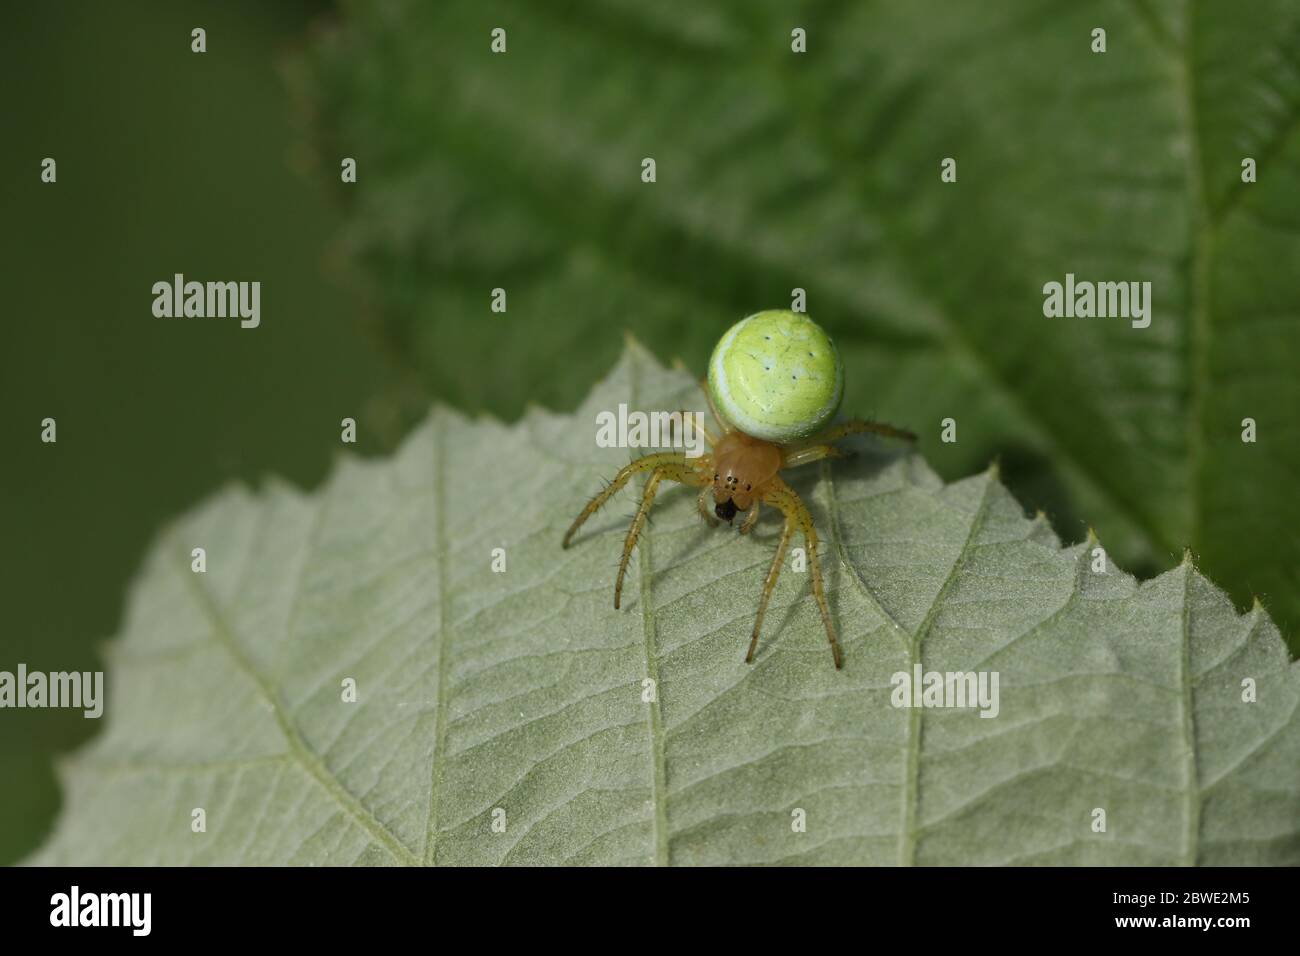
775, 382
741, 463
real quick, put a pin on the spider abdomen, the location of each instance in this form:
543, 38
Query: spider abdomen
777, 376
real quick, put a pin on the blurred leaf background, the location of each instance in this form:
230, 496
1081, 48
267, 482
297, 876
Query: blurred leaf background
521, 171
168, 162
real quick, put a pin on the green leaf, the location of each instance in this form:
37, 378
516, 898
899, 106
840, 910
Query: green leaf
820, 171
523, 691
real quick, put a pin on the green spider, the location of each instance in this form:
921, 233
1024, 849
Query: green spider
775, 382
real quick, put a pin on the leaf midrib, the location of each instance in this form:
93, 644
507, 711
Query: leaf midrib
654, 718
437, 761
912, 743
1187, 722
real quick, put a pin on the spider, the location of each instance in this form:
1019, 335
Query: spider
775, 381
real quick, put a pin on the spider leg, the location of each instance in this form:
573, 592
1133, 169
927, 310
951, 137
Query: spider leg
647, 500
704, 429
823, 446
798, 516
750, 518
858, 426
819, 591
709, 517
809, 454
769, 584
682, 472
624, 475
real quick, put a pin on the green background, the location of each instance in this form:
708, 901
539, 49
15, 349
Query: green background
167, 162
